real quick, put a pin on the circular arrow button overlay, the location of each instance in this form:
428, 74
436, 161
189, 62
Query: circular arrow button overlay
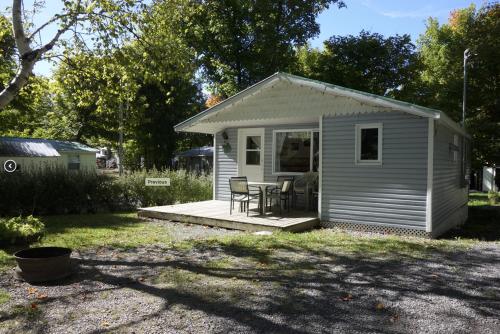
9, 166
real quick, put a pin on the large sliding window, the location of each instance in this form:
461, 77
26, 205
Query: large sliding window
295, 151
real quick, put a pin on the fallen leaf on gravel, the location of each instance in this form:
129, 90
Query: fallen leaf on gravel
41, 296
105, 324
347, 297
34, 306
32, 291
379, 306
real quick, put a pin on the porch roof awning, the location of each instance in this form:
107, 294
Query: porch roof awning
284, 99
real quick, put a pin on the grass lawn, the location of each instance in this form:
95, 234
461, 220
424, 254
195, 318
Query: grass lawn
120, 230
478, 199
125, 230
147, 280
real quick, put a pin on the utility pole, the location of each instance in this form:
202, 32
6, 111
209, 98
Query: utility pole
120, 139
464, 100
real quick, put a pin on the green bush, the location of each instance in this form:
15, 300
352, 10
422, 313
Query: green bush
57, 191
20, 230
53, 191
184, 187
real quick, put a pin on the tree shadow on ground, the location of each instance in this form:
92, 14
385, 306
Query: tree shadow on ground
290, 290
61, 223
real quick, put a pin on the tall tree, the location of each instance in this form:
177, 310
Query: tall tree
442, 51
105, 19
150, 79
368, 62
240, 42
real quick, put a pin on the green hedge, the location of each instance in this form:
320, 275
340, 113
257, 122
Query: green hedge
55, 191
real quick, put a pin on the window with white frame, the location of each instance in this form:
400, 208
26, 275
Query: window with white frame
295, 151
368, 146
73, 162
253, 150
456, 148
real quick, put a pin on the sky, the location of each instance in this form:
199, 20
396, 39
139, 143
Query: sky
387, 17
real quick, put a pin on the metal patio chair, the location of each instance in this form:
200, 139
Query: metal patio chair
273, 189
302, 185
241, 193
282, 195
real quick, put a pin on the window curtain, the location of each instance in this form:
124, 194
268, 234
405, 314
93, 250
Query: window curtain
280, 142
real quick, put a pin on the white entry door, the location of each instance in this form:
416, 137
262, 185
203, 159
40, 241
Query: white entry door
251, 154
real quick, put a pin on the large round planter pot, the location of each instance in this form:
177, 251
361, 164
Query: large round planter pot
43, 264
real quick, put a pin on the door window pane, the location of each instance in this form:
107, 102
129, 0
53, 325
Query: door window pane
253, 142
253, 158
369, 144
252, 154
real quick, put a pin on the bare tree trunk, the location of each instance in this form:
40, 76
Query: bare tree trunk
28, 56
27, 61
19, 81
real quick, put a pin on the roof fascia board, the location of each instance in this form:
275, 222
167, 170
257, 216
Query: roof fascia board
78, 151
446, 120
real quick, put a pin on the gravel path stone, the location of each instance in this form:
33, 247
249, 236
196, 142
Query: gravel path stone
153, 289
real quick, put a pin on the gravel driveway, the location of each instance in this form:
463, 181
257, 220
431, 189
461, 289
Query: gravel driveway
213, 290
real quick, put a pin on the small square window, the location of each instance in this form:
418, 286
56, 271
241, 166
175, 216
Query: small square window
368, 144
74, 162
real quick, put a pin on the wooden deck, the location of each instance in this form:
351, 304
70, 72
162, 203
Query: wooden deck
216, 213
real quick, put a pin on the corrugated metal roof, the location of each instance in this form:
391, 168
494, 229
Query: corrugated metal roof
71, 146
37, 147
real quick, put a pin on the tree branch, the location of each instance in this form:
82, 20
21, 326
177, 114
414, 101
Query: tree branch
52, 20
17, 24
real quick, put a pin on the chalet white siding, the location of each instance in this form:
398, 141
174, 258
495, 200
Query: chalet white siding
449, 193
26, 164
415, 188
32, 164
392, 194
226, 164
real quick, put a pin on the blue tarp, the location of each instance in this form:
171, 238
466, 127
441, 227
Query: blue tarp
205, 151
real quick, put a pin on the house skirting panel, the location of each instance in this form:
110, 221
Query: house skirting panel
347, 226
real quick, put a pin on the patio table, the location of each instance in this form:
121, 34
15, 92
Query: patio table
262, 196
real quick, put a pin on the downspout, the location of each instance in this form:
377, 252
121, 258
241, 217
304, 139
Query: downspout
430, 175
320, 178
